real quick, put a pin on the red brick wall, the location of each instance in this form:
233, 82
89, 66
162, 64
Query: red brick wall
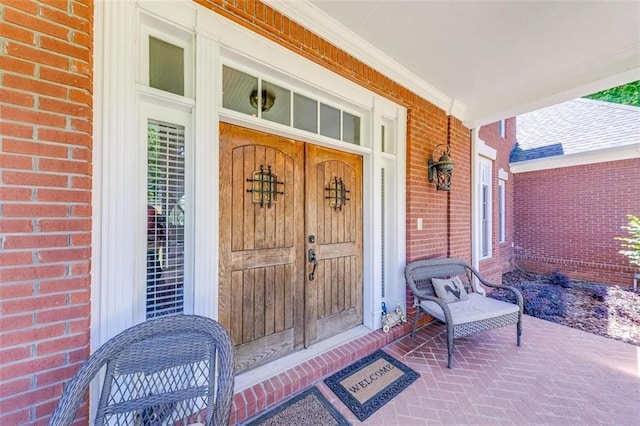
502, 253
566, 219
45, 172
460, 195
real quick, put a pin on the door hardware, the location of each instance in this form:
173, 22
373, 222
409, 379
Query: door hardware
312, 258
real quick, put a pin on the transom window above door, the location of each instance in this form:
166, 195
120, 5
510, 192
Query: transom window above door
260, 98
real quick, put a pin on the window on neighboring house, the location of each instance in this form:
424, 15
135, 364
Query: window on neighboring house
502, 128
485, 208
502, 217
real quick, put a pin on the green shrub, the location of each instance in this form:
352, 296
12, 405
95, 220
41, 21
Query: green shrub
631, 243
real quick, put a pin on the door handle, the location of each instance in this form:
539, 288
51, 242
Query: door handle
311, 257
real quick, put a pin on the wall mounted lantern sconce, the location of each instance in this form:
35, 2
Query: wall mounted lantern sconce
441, 170
267, 99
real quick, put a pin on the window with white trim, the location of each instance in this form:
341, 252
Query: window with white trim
502, 217
485, 208
502, 128
166, 73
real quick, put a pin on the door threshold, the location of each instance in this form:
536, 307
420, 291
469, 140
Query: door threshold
273, 368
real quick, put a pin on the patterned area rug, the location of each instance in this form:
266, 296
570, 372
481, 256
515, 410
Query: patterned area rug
310, 408
371, 382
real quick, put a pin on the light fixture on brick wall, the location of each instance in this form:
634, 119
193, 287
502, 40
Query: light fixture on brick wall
440, 171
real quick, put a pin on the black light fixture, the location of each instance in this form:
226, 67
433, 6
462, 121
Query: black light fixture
442, 168
267, 99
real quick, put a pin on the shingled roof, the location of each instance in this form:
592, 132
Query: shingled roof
576, 126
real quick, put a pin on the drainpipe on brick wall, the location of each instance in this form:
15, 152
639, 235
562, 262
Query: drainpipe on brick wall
475, 255
636, 276
449, 193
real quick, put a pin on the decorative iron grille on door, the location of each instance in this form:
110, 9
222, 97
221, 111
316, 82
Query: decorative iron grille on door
264, 186
337, 193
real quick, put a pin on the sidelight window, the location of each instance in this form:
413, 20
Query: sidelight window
165, 218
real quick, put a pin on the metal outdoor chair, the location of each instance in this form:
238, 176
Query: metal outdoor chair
171, 370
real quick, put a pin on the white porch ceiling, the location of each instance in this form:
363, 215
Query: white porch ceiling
485, 60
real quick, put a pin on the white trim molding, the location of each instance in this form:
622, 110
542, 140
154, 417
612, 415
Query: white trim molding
484, 150
503, 174
332, 31
578, 159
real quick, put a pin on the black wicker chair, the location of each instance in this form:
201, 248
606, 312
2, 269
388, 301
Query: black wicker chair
478, 313
170, 370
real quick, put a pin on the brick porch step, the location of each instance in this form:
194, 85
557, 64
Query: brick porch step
263, 396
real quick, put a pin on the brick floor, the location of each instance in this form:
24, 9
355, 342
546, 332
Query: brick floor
559, 376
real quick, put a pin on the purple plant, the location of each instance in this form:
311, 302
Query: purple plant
598, 292
558, 278
601, 311
540, 300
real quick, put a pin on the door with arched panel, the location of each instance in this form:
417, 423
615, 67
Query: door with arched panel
280, 201
333, 223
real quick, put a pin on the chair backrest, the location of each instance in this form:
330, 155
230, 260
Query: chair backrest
174, 369
419, 273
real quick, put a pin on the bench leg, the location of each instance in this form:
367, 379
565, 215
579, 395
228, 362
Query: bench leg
519, 328
415, 321
450, 346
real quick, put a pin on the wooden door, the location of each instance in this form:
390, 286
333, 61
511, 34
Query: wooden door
333, 295
261, 268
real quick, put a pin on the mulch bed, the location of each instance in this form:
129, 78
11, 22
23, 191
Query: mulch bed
607, 311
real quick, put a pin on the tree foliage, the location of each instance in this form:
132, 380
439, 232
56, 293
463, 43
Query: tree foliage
627, 94
631, 244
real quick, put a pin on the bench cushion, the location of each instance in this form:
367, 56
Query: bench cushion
475, 308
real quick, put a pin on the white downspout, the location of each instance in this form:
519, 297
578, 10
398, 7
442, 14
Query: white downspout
475, 227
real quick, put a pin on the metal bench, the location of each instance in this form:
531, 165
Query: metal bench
475, 314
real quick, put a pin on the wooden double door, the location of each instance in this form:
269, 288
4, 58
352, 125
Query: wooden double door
290, 271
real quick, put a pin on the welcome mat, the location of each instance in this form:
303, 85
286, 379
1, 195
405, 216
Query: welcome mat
310, 408
368, 384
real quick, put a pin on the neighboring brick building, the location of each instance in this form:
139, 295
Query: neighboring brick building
576, 172
494, 227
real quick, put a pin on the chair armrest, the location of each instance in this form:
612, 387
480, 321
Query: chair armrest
518, 295
443, 305
515, 291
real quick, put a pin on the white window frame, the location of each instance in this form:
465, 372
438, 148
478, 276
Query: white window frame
502, 128
150, 108
485, 207
502, 211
